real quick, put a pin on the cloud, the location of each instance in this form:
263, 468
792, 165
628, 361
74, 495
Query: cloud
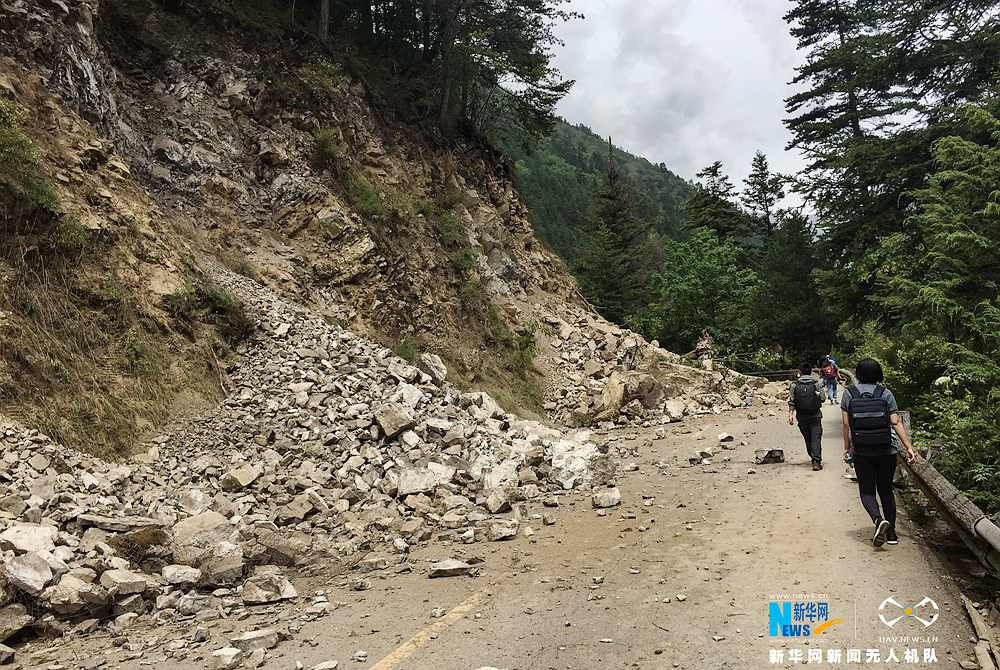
683, 82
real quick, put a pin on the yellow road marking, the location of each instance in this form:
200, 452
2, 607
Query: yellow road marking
823, 626
423, 637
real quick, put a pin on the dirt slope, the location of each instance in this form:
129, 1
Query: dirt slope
176, 129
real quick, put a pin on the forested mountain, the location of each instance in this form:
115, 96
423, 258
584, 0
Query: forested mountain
560, 175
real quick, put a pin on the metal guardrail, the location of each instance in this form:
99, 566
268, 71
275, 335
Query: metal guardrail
977, 530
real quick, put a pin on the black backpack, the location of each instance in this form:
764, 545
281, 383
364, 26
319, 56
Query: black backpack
870, 420
806, 397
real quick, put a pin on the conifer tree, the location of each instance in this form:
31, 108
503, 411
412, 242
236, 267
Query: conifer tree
615, 262
763, 190
713, 205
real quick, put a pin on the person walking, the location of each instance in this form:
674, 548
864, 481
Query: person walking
870, 416
829, 372
805, 406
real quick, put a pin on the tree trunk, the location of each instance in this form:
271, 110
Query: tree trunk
449, 28
368, 22
324, 20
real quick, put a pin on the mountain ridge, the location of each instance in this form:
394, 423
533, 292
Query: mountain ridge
569, 163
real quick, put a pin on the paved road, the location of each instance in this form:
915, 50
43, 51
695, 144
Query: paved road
679, 576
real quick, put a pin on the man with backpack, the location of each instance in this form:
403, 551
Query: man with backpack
870, 416
805, 405
829, 372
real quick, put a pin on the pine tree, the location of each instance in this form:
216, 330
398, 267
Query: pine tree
713, 205
615, 263
790, 308
762, 191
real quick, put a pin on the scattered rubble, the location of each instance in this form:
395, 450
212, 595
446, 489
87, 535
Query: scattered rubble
766, 456
451, 567
607, 498
327, 442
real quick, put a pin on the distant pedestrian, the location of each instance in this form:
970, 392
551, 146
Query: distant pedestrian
805, 405
870, 415
829, 373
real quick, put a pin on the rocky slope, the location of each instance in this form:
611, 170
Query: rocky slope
183, 145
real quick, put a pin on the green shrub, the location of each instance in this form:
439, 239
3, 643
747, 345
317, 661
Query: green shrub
319, 79
226, 311
447, 200
463, 261
70, 237
403, 203
327, 152
523, 349
427, 207
135, 353
450, 231
407, 349
19, 169
240, 264
182, 304
362, 196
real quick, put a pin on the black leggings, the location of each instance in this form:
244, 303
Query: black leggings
875, 475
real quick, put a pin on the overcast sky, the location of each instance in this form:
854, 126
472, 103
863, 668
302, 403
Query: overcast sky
683, 82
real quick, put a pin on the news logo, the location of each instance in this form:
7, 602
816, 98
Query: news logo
891, 612
799, 618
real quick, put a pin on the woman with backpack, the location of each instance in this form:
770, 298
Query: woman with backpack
870, 416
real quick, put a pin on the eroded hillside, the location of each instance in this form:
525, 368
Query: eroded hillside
170, 136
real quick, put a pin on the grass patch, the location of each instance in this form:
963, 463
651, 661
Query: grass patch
240, 264
312, 87
327, 153
226, 311
79, 361
451, 232
320, 79
136, 358
464, 262
182, 303
448, 200
407, 349
362, 196
523, 348
70, 237
19, 167
210, 302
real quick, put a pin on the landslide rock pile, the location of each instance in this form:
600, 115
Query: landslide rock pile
610, 374
327, 445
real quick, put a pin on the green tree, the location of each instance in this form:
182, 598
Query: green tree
790, 309
559, 177
937, 294
616, 260
713, 204
459, 63
762, 192
874, 80
703, 285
